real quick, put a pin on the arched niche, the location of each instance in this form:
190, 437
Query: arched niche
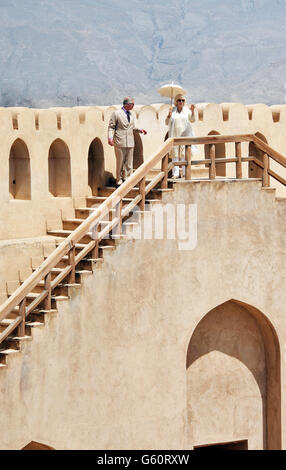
96, 165
59, 169
33, 445
233, 378
19, 171
255, 171
219, 153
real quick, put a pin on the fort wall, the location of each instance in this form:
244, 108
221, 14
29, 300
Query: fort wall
162, 348
51, 158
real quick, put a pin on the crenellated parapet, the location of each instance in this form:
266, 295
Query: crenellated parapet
50, 158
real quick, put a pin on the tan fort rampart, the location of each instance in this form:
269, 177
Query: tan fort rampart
36, 191
31, 188
137, 343
162, 348
52, 158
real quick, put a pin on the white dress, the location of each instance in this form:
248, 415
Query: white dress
180, 126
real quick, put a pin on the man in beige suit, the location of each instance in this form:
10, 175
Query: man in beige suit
120, 135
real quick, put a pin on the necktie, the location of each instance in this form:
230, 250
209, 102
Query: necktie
128, 116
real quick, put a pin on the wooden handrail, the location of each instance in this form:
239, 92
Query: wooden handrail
213, 139
114, 201
278, 157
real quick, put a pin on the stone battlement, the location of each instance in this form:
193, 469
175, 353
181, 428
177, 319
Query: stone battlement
54, 157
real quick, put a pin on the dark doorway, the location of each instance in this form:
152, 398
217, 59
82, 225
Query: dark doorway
236, 445
33, 445
96, 173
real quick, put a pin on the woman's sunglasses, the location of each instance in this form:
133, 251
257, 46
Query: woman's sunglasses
181, 101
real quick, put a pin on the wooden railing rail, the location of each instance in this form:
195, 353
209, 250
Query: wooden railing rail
211, 141
278, 157
17, 301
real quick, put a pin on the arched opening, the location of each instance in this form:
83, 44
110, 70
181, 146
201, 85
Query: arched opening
96, 173
255, 171
219, 153
19, 171
59, 169
233, 379
37, 446
138, 157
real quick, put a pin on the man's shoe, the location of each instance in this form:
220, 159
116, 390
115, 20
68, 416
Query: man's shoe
119, 183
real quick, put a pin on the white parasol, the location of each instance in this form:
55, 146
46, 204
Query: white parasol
171, 90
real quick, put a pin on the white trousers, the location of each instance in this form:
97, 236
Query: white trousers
124, 162
177, 155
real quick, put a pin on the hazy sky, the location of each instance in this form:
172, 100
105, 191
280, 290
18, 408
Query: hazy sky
94, 51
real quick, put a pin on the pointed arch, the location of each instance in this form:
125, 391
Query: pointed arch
96, 165
59, 169
234, 377
19, 171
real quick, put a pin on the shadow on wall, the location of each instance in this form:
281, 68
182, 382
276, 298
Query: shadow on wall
233, 374
19, 171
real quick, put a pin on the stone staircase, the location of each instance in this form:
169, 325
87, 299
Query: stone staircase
68, 270
13, 344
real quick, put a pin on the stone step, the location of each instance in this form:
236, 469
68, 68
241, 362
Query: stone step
58, 234
107, 191
7, 352
33, 324
84, 212
97, 200
6, 322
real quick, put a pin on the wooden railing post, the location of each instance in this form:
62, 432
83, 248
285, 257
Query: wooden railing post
47, 287
180, 159
265, 175
71, 255
212, 171
22, 313
164, 167
188, 153
118, 214
95, 251
142, 185
238, 163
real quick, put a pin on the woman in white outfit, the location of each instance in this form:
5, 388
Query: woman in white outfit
179, 121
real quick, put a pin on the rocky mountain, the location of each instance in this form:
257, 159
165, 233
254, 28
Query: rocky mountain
96, 51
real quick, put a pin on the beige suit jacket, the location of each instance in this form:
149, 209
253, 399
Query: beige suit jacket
120, 130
